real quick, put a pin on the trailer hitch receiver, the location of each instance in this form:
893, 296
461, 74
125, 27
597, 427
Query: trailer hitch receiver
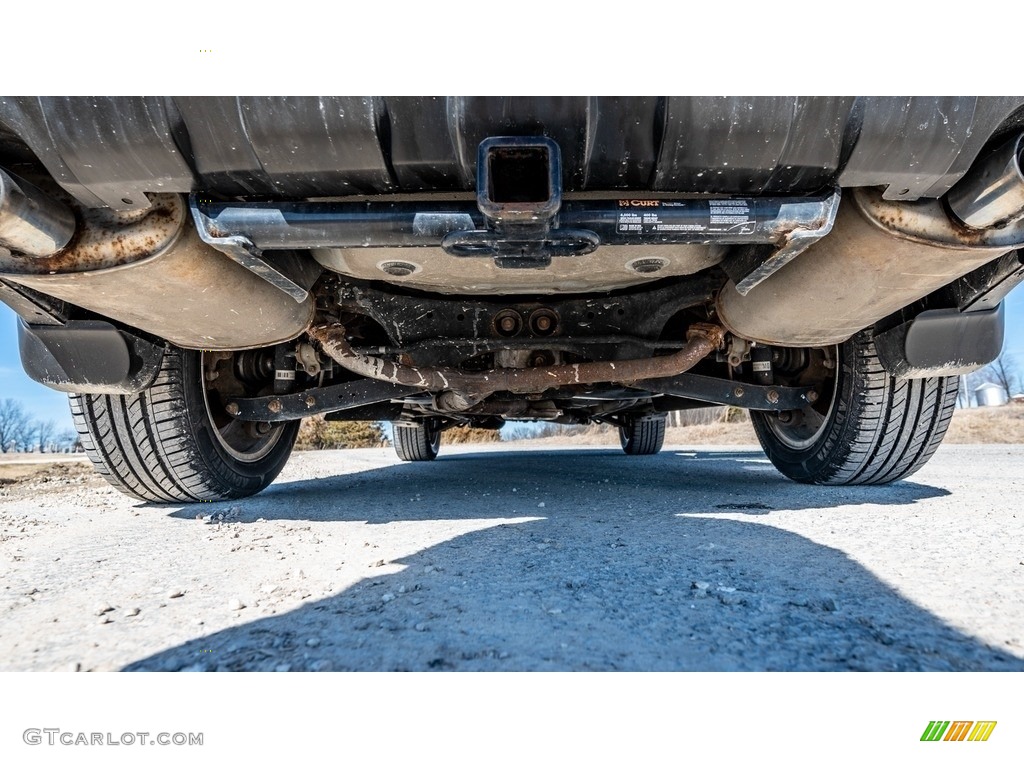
519, 192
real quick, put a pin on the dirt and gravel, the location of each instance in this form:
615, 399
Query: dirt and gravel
533, 557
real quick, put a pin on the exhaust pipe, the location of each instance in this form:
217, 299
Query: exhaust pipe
882, 256
32, 223
991, 194
469, 388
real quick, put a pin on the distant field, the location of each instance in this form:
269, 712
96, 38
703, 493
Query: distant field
16, 468
1004, 424
969, 426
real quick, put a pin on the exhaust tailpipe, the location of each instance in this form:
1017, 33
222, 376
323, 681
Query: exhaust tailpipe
32, 223
991, 194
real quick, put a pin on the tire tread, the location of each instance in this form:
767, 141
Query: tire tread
643, 436
414, 443
884, 430
145, 444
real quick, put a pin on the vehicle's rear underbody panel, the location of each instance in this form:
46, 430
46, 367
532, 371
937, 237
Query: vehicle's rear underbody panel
111, 151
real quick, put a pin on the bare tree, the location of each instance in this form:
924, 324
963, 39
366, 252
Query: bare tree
15, 425
67, 440
45, 432
1005, 372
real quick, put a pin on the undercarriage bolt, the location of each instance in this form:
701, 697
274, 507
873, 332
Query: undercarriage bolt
773, 396
231, 409
738, 391
543, 321
274, 406
310, 401
812, 397
508, 323
785, 417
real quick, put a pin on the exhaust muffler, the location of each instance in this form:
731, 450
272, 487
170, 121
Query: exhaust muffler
147, 269
882, 256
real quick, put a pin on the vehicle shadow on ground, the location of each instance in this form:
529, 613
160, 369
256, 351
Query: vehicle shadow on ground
508, 481
603, 576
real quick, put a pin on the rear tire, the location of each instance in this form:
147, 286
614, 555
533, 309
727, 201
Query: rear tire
643, 435
417, 443
865, 428
173, 443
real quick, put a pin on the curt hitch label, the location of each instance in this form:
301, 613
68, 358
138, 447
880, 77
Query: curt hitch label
646, 217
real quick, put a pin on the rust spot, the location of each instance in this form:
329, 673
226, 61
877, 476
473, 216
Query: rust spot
893, 220
102, 241
966, 235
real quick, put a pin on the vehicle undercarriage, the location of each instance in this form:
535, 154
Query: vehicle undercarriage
200, 274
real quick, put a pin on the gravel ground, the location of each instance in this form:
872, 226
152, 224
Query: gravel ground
542, 558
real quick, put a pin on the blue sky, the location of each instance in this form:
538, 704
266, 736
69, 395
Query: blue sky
42, 402
45, 404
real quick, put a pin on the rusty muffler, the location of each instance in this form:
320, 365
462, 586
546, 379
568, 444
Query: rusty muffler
882, 256
150, 270
702, 340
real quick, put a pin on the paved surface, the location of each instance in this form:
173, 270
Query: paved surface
543, 558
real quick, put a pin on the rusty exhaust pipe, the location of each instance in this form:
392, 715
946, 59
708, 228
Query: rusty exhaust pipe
702, 340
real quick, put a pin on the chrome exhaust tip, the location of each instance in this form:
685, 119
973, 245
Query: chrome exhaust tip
31, 222
991, 194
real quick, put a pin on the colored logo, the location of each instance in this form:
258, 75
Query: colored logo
958, 730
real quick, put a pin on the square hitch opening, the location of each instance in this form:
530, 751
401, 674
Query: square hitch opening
519, 179
519, 174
